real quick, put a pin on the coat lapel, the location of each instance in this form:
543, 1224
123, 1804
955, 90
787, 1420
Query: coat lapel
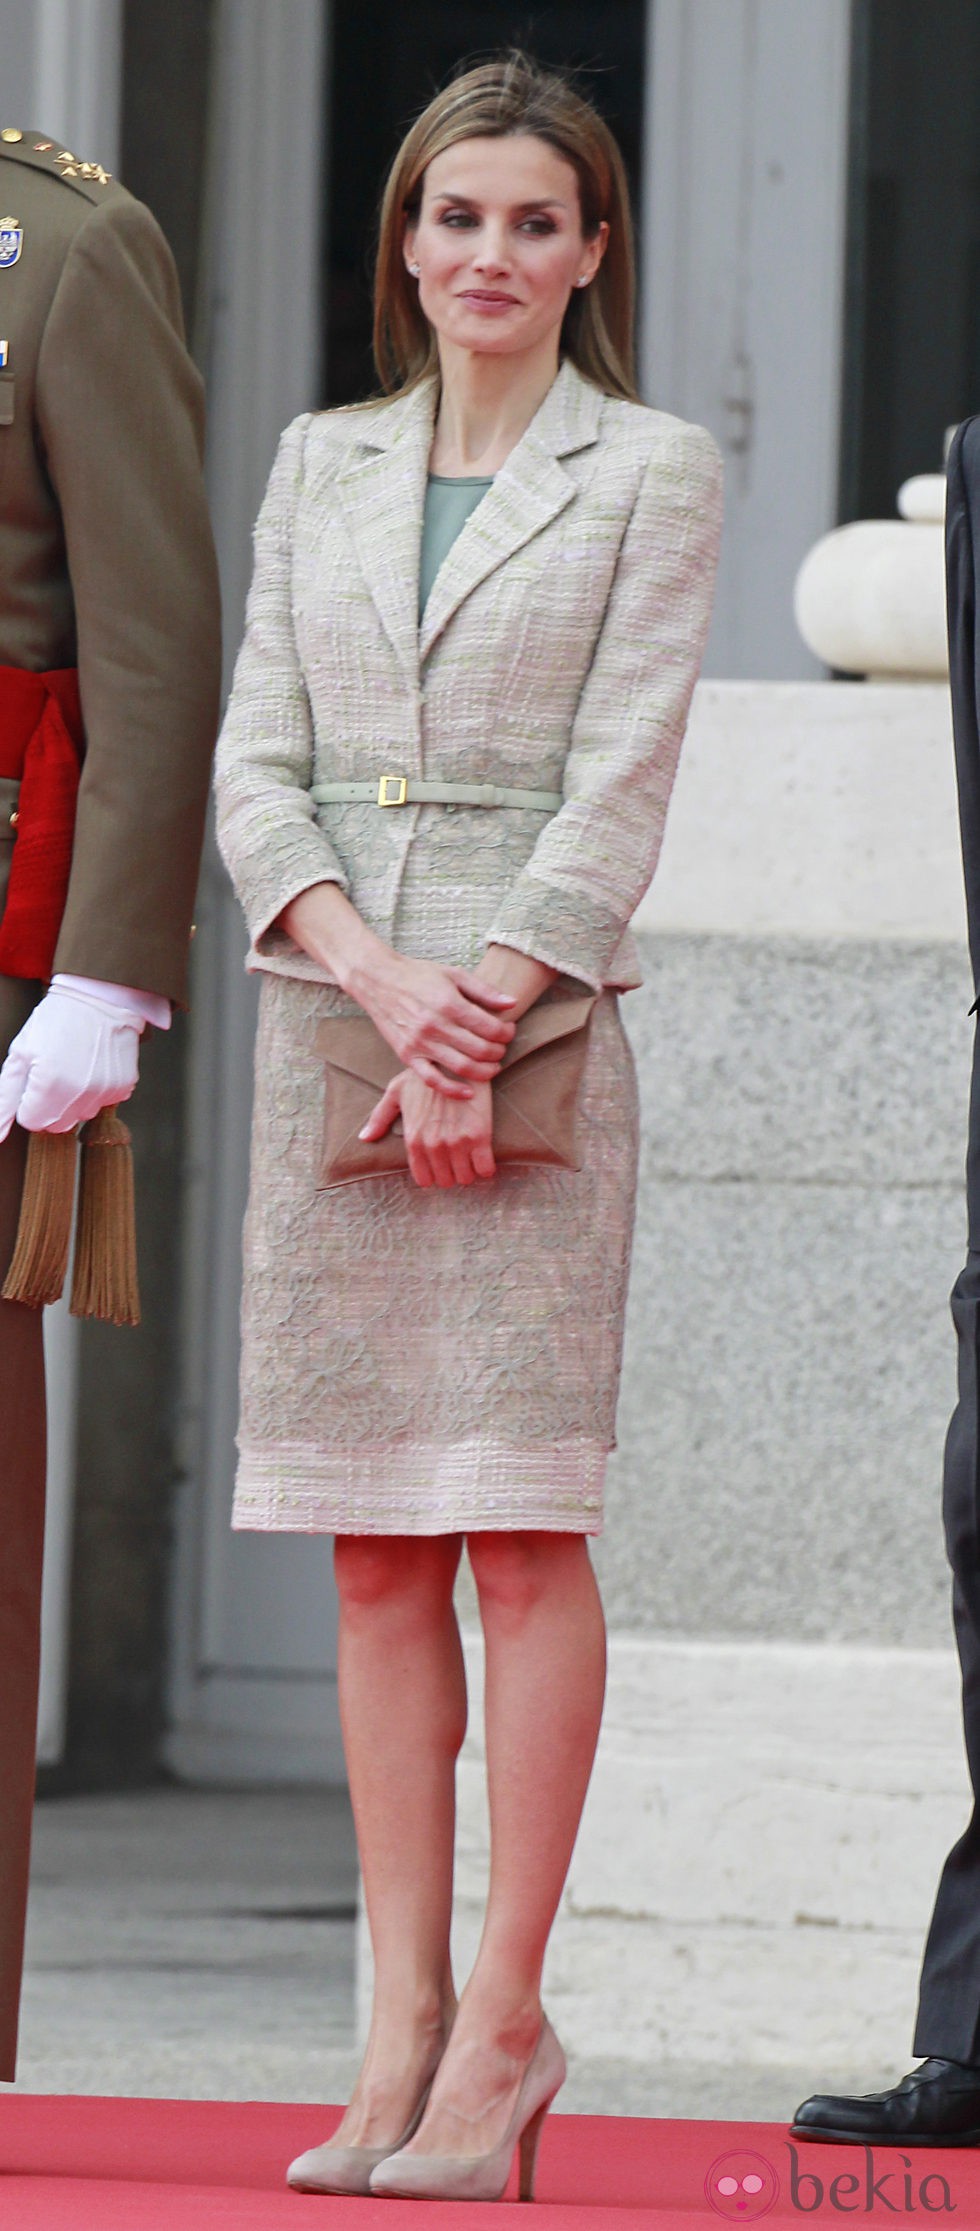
529, 491
382, 490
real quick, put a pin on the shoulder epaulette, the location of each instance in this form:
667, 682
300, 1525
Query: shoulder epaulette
41, 153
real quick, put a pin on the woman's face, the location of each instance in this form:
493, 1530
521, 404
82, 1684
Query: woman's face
499, 243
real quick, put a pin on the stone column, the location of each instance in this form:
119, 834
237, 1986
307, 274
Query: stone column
253, 1691
743, 232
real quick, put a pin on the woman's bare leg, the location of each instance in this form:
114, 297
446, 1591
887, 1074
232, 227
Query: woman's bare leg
402, 1696
545, 1680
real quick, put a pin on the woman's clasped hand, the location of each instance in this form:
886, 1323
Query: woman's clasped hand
448, 1141
450, 1029
445, 1024
450, 1025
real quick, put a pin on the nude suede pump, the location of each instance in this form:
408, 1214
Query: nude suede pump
347, 2169
484, 2176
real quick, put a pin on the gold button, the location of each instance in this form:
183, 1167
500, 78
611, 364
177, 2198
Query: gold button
11, 136
193, 929
14, 818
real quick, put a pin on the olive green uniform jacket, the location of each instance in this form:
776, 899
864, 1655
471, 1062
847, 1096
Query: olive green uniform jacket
106, 554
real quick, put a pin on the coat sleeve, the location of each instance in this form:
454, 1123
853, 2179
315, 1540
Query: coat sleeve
119, 417
267, 829
571, 903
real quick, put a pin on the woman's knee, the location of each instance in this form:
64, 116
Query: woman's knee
375, 1570
514, 1572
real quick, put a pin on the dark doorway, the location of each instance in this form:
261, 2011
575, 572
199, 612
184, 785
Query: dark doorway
387, 61
912, 364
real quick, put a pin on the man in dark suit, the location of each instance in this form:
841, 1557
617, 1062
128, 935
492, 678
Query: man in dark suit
938, 2103
109, 611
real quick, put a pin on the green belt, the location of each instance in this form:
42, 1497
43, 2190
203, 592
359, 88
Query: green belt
403, 790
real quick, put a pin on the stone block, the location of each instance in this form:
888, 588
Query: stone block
789, 1366
788, 1378
773, 1059
808, 810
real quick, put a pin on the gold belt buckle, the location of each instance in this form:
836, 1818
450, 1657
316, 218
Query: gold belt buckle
401, 791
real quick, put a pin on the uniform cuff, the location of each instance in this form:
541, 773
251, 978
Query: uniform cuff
151, 1005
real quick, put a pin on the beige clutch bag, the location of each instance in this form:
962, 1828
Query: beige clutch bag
535, 1094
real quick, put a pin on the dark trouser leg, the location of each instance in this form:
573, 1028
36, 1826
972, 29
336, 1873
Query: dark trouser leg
22, 1477
949, 2000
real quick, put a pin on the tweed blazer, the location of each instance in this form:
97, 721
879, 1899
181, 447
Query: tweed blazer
558, 650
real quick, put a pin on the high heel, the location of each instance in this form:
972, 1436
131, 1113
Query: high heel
484, 2176
347, 2169
528, 2152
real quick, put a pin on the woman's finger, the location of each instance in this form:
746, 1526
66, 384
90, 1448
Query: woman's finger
462, 1162
439, 1046
448, 1086
383, 1115
466, 1028
461, 1013
483, 1159
418, 1163
473, 1022
474, 1060
485, 995
440, 1162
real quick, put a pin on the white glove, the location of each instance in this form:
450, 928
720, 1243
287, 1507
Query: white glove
78, 1052
150, 1006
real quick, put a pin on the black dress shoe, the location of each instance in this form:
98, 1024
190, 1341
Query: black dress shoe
938, 2104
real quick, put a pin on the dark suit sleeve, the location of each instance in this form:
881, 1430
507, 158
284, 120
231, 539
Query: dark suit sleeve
120, 418
962, 498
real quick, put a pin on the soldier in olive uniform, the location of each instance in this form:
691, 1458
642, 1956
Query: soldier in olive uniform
106, 566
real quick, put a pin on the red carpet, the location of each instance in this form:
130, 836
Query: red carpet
176, 2165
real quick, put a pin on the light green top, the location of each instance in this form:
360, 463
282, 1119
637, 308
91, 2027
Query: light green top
448, 504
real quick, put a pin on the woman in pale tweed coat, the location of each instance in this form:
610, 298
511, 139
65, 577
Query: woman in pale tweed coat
435, 1356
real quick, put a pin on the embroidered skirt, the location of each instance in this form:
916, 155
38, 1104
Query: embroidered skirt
420, 1361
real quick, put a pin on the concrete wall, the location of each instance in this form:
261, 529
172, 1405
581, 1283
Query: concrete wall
781, 1766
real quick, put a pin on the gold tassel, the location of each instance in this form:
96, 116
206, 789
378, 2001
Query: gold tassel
40, 1260
105, 1282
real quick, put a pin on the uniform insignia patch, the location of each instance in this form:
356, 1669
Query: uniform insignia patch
11, 242
4, 353
73, 168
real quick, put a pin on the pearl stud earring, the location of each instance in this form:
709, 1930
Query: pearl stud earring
583, 282
415, 269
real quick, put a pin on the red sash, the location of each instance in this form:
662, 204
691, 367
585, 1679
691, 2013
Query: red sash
41, 747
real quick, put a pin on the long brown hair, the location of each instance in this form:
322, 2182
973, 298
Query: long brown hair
512, 93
